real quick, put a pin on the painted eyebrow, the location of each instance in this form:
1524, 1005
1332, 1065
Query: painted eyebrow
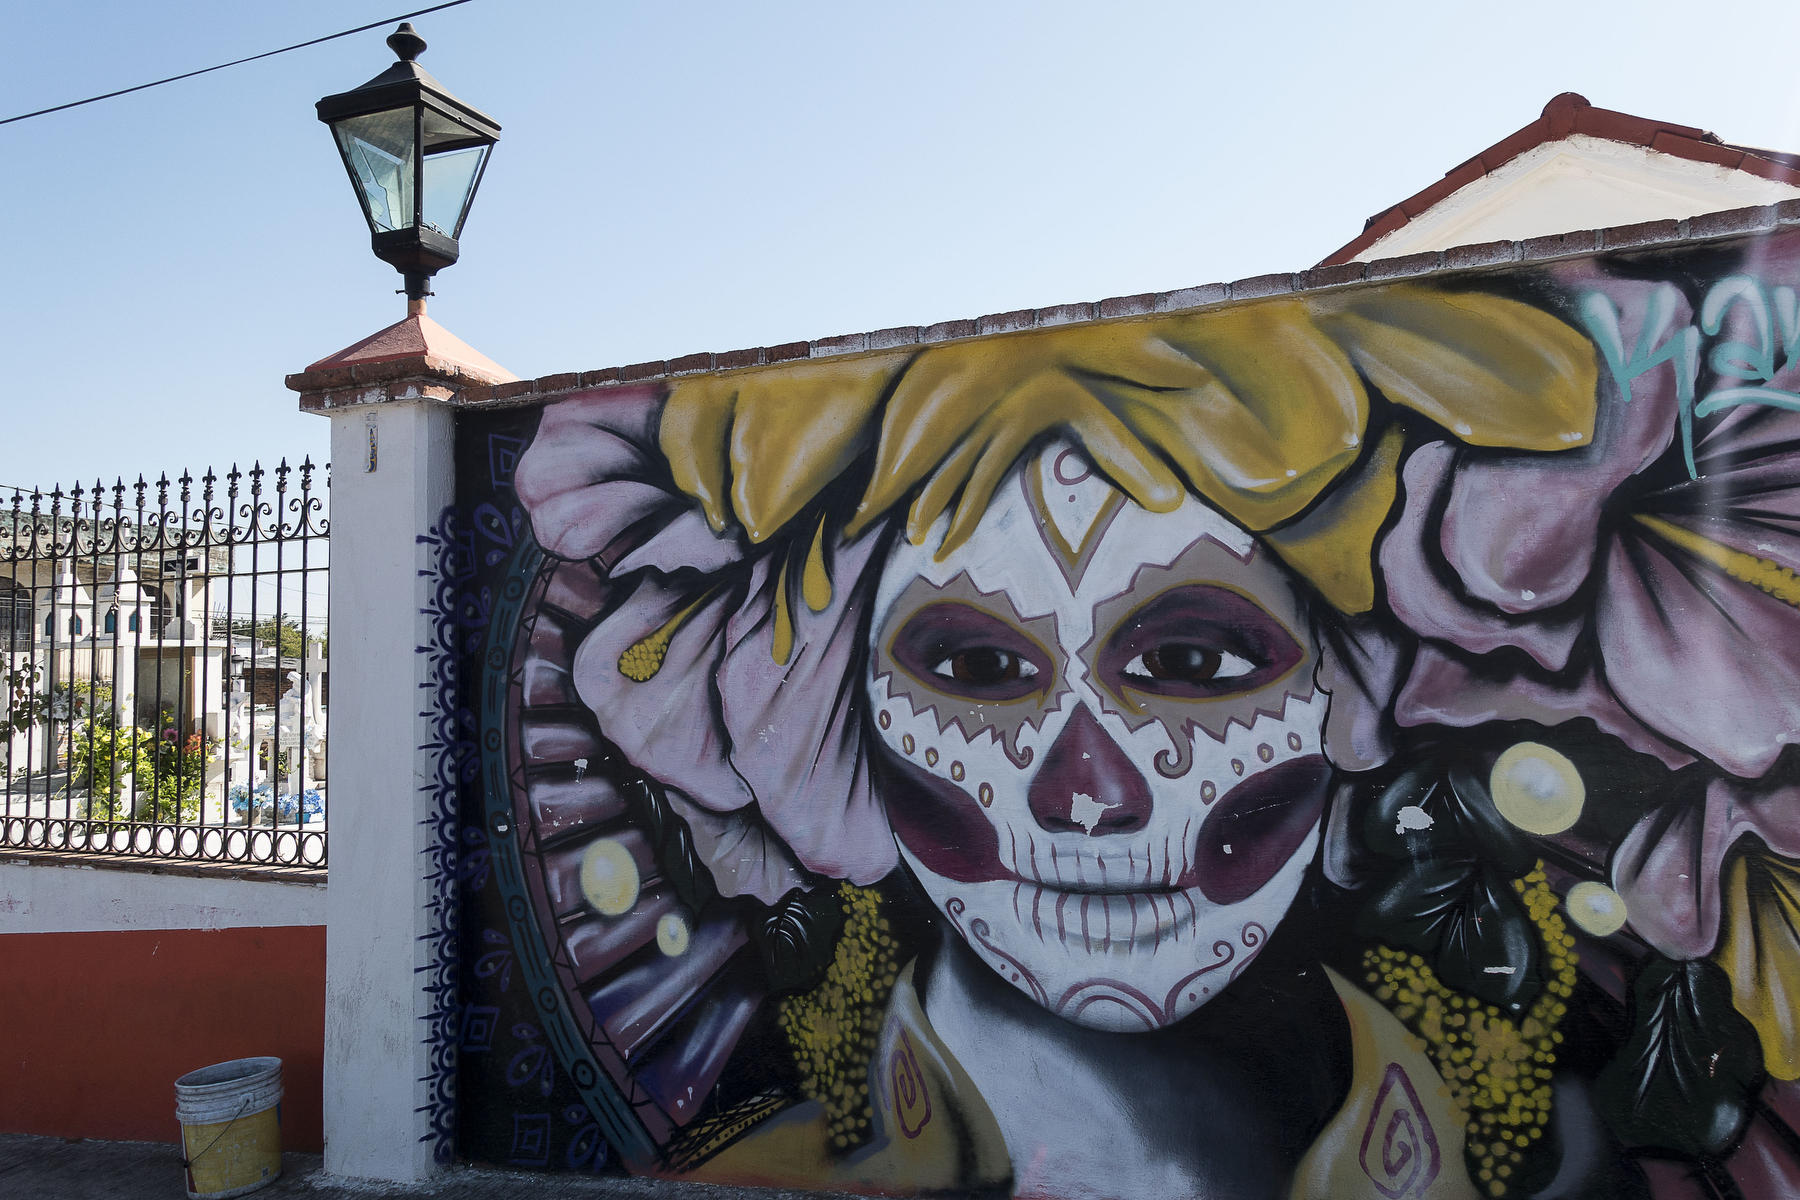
899, 652
920, 593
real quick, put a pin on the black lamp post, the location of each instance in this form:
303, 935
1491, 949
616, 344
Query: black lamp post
415, 155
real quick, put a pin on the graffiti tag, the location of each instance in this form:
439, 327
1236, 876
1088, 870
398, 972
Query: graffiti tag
1747, 368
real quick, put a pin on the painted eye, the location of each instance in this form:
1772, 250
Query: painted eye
1187, 662
962, 651
985, 666
1199, 642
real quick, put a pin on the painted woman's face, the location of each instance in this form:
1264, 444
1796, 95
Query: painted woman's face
1105, 735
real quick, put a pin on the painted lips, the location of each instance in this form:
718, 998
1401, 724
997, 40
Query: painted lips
1243, 841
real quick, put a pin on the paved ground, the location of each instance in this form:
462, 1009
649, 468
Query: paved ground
43, 1168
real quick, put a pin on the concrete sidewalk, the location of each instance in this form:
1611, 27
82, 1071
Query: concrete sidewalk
47, 1168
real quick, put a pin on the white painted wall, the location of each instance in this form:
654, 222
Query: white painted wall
376, 1060
73, 897
1578, 182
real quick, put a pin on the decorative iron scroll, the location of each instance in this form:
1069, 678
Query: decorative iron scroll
163, 677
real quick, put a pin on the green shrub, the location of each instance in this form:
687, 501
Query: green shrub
168, 771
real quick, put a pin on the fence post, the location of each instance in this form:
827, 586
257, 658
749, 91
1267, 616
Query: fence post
389, 1029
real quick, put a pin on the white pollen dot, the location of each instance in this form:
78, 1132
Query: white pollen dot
1227, 847
1537, 788
1596, 908
672, 935
609, 878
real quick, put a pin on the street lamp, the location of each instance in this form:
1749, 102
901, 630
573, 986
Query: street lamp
415, 155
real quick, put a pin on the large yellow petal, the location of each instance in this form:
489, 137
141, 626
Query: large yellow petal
1493, 371
1333, 546
1761, 953
771, 439
1259, 408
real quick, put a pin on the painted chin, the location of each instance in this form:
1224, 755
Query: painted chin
1117, 962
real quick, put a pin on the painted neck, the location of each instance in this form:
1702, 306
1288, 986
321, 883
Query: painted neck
1141, 1094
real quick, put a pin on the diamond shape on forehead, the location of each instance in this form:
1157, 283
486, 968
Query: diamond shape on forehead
1073, 504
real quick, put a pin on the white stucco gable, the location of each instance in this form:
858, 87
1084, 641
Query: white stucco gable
1575, 168
1577, 182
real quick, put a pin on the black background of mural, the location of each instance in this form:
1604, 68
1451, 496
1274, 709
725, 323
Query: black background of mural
517, 1105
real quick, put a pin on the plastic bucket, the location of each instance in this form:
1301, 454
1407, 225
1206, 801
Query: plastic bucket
230, 1117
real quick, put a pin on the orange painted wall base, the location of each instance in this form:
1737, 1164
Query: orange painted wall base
96, 1027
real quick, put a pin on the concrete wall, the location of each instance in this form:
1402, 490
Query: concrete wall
1288, 739
118, 981
392, 472
44, 895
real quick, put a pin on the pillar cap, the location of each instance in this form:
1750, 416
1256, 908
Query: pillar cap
410, 359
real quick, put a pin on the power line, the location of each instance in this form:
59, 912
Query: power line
234, 63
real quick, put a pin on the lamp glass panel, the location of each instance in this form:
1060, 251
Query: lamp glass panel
378, 148
443, 130
449, 183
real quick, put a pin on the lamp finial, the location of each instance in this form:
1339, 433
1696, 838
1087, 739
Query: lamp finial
405, 42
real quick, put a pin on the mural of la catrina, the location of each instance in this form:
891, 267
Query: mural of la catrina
1331, 746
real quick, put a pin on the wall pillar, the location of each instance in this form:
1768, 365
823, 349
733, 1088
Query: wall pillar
389, 965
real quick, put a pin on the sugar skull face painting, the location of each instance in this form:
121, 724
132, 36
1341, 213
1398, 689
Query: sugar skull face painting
1103, 740
1335, 745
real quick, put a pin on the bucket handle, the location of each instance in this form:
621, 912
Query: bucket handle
187, 1163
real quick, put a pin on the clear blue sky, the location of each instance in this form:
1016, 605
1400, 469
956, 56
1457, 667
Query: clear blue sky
678, 177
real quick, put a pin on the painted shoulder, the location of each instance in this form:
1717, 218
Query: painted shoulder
933, 1131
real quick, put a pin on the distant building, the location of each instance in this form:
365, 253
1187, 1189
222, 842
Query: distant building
1576, 167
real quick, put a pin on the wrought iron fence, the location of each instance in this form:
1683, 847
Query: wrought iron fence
163, 656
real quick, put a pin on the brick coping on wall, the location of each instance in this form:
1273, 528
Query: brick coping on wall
362, 383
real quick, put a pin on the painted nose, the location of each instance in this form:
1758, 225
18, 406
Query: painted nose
1087, 784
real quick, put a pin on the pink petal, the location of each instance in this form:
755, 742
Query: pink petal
795, 728
1442, 689
1668, 866
1519, 530
1706, 661
669, 724
743, 855
1419, 596
1360, 667
595, 483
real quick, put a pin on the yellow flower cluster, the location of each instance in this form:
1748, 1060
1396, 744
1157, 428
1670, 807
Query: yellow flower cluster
832, 1030
642, 660
1498, 1068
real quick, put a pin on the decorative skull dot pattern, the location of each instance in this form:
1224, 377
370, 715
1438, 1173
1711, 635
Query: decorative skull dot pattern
1090, 669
